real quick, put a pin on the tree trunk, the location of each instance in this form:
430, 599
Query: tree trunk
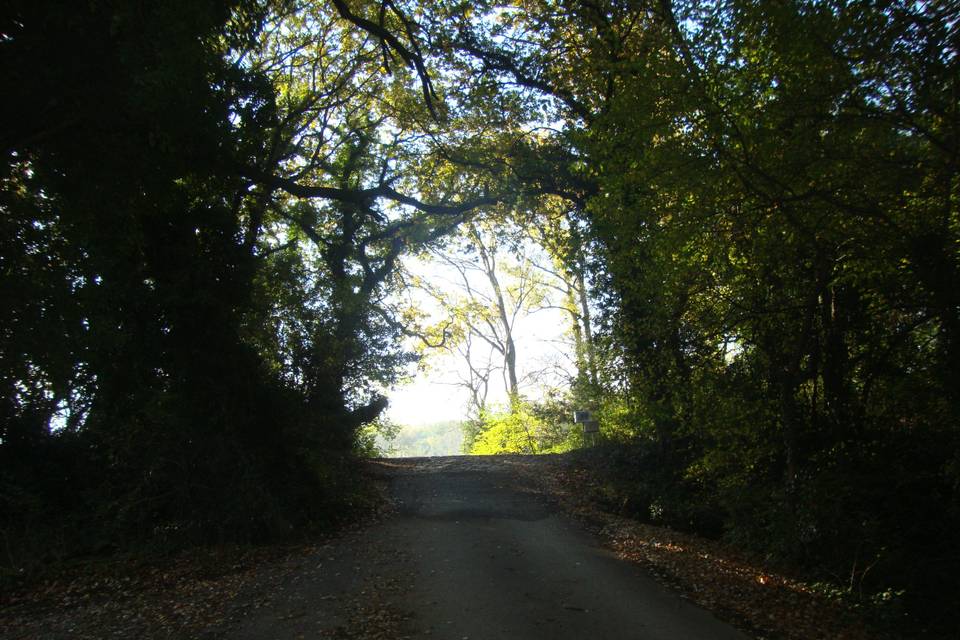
591, 355
510, 350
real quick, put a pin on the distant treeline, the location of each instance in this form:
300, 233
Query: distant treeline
443, 438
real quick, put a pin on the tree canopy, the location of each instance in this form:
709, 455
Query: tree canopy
753, 207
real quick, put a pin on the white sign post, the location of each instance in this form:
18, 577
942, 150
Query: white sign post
591, 427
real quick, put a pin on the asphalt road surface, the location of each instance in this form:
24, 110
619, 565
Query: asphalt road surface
473, 552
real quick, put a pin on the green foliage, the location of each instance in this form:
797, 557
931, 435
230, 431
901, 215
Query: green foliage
188, 354
506, 432
524, 427
377, 439
769, 191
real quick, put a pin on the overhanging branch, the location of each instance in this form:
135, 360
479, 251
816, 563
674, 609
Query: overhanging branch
413, 59
363, 197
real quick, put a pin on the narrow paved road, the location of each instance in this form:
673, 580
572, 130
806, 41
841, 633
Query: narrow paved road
490, 559
474, 552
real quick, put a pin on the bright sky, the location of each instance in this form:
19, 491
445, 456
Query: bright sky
433, 395
429, 397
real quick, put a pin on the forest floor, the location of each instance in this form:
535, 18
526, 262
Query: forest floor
479, 547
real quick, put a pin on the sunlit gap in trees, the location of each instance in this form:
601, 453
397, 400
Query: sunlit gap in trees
466, 304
